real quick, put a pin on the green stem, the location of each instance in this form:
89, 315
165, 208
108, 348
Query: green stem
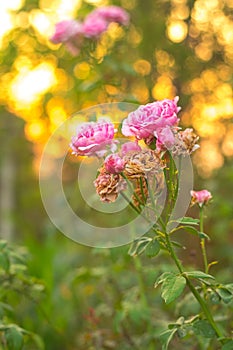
204, 308
203, 248
192, 288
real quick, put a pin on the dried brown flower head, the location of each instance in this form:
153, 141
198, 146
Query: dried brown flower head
108, 186
141, 163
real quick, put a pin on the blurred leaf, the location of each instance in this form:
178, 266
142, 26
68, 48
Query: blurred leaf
204, 329
166, 337
228, 345
225, 294
3, 244
4, 261
38, 341
14, 338
172, 287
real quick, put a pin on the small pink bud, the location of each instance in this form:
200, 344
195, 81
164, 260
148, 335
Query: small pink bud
201, 197
114, 164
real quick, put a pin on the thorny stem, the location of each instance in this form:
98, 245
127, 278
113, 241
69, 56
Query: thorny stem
203, 248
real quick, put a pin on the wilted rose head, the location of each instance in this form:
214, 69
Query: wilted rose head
142, 163
92, 138
200, 197
108, 186
66, 30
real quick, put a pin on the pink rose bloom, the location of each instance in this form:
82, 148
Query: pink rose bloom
92, 138
165, 139
113, 14
139, 124
66, 30
150, 118
129, 147
114, 164
94, 26
201, 197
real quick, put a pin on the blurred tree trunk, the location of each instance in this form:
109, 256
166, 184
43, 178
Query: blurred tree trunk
9, 125
7, 180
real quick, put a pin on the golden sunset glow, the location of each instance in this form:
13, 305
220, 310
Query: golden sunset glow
29, 85
206, 28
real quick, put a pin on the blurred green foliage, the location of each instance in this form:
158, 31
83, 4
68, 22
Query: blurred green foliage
93, 298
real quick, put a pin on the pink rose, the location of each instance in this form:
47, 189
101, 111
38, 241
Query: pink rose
129, 147
165, 139
114, 164
92, 138
201, 197
139, 124
113, 14
66, 30
94, 26
150, 118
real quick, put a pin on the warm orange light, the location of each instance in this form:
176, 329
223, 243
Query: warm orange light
82, 70
163, 88
35, 130
29, 85
142, 67
177, 31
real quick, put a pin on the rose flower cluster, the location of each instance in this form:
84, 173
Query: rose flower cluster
134, 163
72, 32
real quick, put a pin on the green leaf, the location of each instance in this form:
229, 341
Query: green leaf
166, 337
14, 338
225, 294
153, 248
172, 287
203, 235
139, 245
190, 229
204, 329
198, 274
228, 345
4, 261
188, 221
162, 278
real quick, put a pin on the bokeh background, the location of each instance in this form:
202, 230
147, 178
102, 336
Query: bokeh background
177, 47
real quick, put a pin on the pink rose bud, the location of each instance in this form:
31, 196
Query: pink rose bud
94, 26
114, 164
66, 30
92, 138
201, 197
113, 14
129, 147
